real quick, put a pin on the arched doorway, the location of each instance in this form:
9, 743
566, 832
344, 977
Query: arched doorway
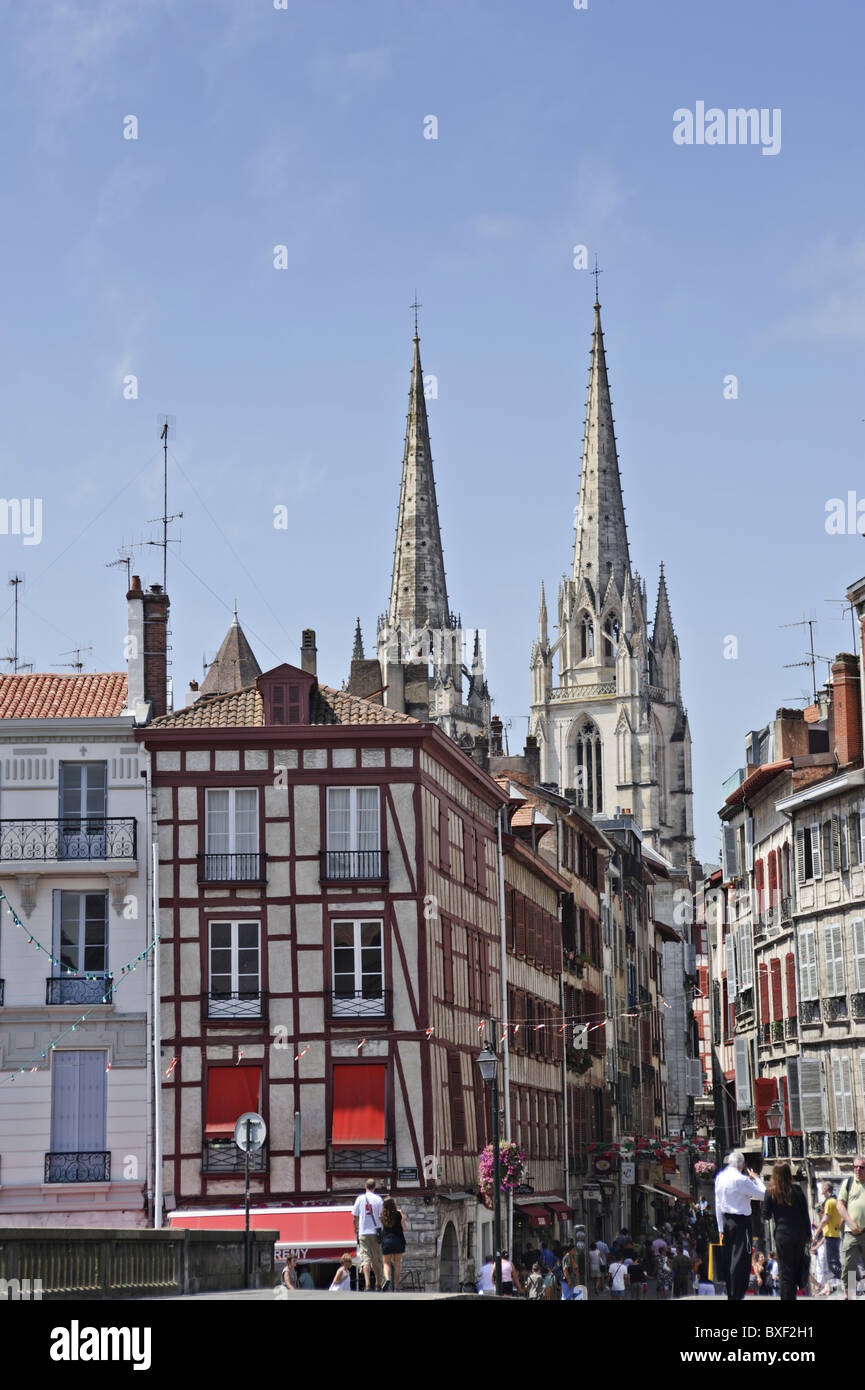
449, 1276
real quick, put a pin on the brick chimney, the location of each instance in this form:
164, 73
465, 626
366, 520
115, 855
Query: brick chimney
147, 647
308, 651
532, 755
495, 737
846, 709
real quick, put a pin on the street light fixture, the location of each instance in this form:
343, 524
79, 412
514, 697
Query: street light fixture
488, 1066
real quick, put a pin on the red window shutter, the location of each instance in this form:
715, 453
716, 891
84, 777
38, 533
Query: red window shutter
765, 1094
447, 961
758, 884
764, 993
457, 1100
790, 962
531, 946
548, 940
482, 1123
481, 861
509, 918
471, 952
703, 979
444, 836
646, 1037
359, 1105
469, 855
484, 967
520, 911
773, 876
231, 1092
777, 1001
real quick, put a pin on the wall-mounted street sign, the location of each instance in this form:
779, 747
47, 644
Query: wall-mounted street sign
250, 1132
407, 1174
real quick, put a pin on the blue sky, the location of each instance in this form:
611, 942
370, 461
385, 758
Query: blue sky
304, 127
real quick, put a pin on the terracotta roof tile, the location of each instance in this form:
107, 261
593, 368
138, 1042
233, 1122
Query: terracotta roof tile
48, 696
245, 709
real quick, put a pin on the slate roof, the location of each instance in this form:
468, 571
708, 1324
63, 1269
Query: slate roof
49, 696
234, 667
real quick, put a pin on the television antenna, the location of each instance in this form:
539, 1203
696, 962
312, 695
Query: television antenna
13, 659
810, 623
167, 425
77, 664
846, 608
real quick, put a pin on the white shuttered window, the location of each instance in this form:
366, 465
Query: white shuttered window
808, 984
833, 945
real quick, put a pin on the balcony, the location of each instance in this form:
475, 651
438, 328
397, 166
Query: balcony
809, 1011
223, 1156
786, 912
817, 1142
647, 1073
857, 1006
353, 866
52, 841
778, 1030
791, 1028
378, 1159
360, 1003
237, 1003
231, 868
78, 1167
745, 1001
835, 1009
844, 1141
776, 1147
764, 1034
79, 989
797, 1146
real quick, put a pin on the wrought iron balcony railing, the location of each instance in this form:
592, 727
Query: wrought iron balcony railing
79, 989
844, 1141
777, 1030
835, 1008
69, 838
857, 1006
78, 1167
786, 911
791, 1027
797, 1146
223, 1156
359, 1003
748, 1117
745, 1001
235, 1003
809, 1011
816, 1141
764, 1034
777, 1146
353, 866
374, 1159
231, 868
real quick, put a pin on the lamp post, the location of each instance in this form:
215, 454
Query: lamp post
488, 1065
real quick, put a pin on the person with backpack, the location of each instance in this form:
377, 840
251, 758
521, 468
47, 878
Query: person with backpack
570, 1275
618, 1278
535, 1284
851, 1209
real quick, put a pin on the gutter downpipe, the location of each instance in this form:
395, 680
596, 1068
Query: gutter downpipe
503, 980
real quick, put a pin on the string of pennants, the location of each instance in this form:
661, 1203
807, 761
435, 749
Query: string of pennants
124, 972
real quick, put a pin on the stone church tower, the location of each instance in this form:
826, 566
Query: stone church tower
419, 664
614, 730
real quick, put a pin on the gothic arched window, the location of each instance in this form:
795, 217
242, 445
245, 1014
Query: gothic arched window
611, 637
587, 637
589, 774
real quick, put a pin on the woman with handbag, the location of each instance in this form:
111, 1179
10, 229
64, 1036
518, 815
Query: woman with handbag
785, 1204
392, 1243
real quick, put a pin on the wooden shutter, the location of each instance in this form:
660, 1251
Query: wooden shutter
777, 999
742, 1063
790, 963
808, 963
457, 1101
481, 842
842, 1087
749, 842
773, 877
482, 1123
746, 956
486, 990
758, 888
447, 961
845, 843
520, 910
444, 836
731, 965
531, 947
764, 992
836, 841
800, 855
816, 859
833, 946
472, 964
509, 918
793, 1097
765, 1094
858, 938
811, 1098
469, 855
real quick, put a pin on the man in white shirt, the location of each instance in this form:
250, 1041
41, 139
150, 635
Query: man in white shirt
735, 1190
367, 1221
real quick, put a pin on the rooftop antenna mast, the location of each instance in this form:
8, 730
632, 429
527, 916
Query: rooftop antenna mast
15, 581
167, 424
810, 623
77, 664
847, 608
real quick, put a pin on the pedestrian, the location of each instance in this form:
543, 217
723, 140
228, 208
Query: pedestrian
341, 1282
486, 1283
851, 1209
820, 1276
774, 1272
764, 1278
618, 1277
830, 1228
289, 1274
510, 1279
392, 1243
659, 1246
304, 1278
547, 1257
734, 1192
367, 1228
637, 1278
785, 1204
595, 1271
664, 1277
570, 1273
535, 1284
684, 1284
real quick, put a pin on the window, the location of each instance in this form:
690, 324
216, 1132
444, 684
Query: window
611, 637
587, 637
359, 1117
231, 1092
235, 970
353, 833
858, 934
469, 852
83, 808
78, 1115
447, 962
231, 834
589, 770
842, 1087
808, 963
80, 937
790, 967
777, 998
457, 1100
833, 945
358, 968
808, 860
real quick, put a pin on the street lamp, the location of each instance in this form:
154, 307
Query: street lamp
488, 1066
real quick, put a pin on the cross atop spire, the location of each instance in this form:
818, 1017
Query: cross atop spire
596, 272
415, 306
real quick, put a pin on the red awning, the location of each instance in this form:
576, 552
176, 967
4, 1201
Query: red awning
538, 1216
674, 1192
231, 1092
358, 1106
313, 1234
560, 1208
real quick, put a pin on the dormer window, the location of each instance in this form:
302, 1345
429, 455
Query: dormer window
286, 693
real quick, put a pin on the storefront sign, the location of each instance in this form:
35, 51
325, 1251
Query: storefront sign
629, 1173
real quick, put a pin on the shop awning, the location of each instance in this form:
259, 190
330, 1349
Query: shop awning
560, 1208
358, 1105
662, 1189
313, 1234
538, 1215
231, 1092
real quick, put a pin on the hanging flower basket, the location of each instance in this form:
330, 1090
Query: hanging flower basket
704, 1170
511, 1164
